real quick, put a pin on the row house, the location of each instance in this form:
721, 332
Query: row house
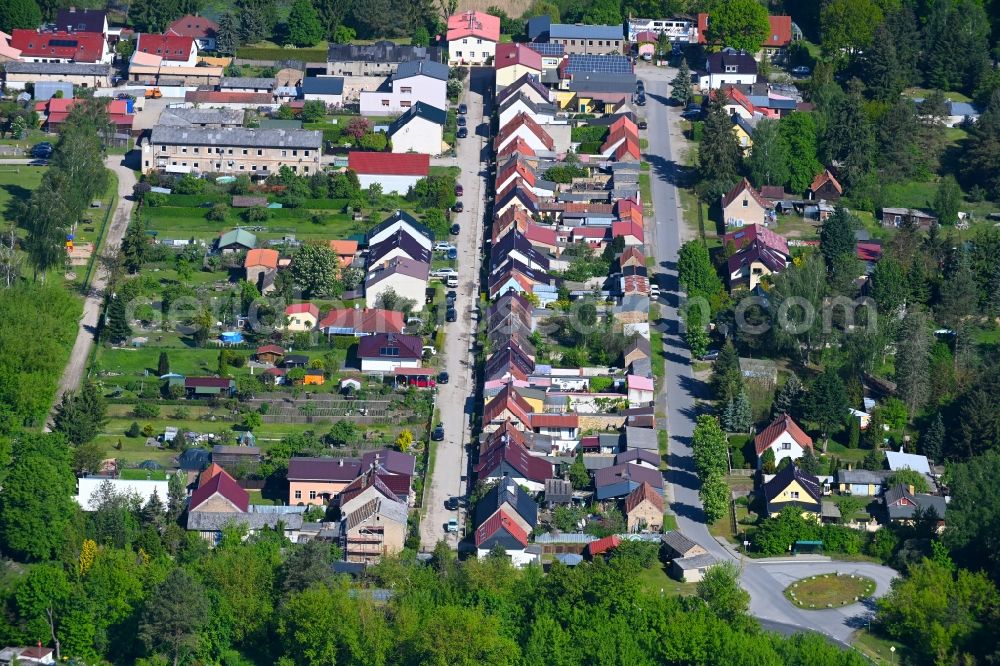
232, 150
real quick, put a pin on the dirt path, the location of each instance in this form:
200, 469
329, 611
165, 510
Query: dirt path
77, 365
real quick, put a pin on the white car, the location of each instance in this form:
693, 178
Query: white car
442, 246
444, 273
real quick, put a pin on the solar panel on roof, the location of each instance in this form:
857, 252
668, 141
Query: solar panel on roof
599, 63
547, 48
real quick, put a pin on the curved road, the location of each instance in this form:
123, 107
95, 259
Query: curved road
765, 581
77, 365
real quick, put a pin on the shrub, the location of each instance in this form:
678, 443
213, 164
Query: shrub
155, 199
145, 410
133, 430
256, 214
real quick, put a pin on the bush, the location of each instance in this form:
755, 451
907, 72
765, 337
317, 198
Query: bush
145, 410
133, 430
217, 213
148, 431
155, 199
600, 384
256, 214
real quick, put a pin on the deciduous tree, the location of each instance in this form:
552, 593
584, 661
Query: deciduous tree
173, 615
799, 132
314, 271
304, 27
740, 24
769, 156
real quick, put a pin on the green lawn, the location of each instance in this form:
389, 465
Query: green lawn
16, 184
656, 580
828, 590
878, 648
925, 93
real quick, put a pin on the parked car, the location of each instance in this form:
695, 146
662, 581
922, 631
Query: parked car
654, 291
42, 150
451, 504
462, 133
461, 121
442, 246
452, 253
459, 190
801, 70
422, 382
640, 86
438, 433
451, 315
458, 207
710, 355
640, 99
452, 526
455, 229
444, 272
443, 378
692, 112
642, 124
450, 297
451, 280
430, 350
463, 109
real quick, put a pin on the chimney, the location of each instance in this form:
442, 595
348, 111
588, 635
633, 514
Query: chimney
909, 489
340, 462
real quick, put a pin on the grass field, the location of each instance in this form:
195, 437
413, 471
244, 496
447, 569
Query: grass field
878, 648
16, 184
656, 580
829, 590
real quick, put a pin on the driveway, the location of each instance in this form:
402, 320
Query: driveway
77, 366
764, 581
455, 399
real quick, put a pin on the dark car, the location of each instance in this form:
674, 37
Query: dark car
443, 378
438, 433
455, 229
640, 99
450, 297
642, 124
459, 190
42, 150
463, 109
451, 315
451, 504
640, 86
692, 111
462, 133
461, 121
452, 253
458, 207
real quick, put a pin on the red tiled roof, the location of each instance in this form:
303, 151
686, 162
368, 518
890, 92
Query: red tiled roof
506, 444
524, 120
780, 33
555, 420
624, 122
627, 228
772, 192
869, 251
643, 492
261, 257
737, 96
473, 24
745, 236
646, 36
634, 254
702, 28
824, 178
780, 425
500, 521
630, 148
198, 27
208, 473
509, 55
270, 349
519, 146
75, 46
169, 47
389, 164
738, 189
224, 485
589, 232
367, 320
301, 308
224, 97
540, 234
516, 167
603, 545
508, 399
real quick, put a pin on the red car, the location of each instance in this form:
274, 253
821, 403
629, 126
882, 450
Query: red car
422, 382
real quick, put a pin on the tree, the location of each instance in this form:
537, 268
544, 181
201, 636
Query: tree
849, 139
956, 45
118, 329
133, 250
176, 496
304, 27
767, 464
314, 271
603, 12
973, 531
908, 477
404, 441
897, 134
836, 238
313, 111
227, 37
80, 416
959, 296
913, 360
932, 439
720, 589
308, 564
696, 273
714, 496
173, 615
680, 86
257, 19
718, 151
40, 599
578, 474
787, 397
848, 25
769, 156
740, 24
947, 199
800, 135
163, 364
727, 380
390, 300
709, 448
742, 413
16, 14
252, 420
826, 403
36, 506
696, 333
889, 286
982, 150
883, 73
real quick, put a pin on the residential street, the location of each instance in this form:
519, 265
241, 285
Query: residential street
765, 581
77, 365
455, 398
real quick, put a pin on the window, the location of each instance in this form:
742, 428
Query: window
184, 149
295, 153
245, 151
458, 54
746, 203
298, 494
284, 153
307, 153
794, 494
260, 152
385, 102
306, 169
243, 167
196, 151
312, 494
230, 151
406, 90
405, 104
253, 167
786, 446
479, 41
730, 69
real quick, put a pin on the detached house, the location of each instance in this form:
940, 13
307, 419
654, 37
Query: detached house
202, 30
744, 205
472, 38
764, 253
903, 506
173, 50
395, 173
784, 438
60, 46
825, 186
317, 481
219, 501
405, 276
506, 517
301, 317
726, 67
413, 81
261, 265
644, 509
378, 59
419, 130
358, 322
387, 352
793, 487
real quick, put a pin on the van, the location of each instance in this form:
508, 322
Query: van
451, 281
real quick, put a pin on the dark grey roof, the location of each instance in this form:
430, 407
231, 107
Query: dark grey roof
515, 87
67, 68
506, 491
923, 502
641, 438
399, 216
578, 31
638, 455
381, 52
558, 490
538, 27
81, 20
194, 459
677, 542
187, 117
791, 473
536, 109
602, 83
515, 241
744, 62
419, 110
400, 240
695, 561
862, 476
323, 85
238, 136
435, 70
246, 82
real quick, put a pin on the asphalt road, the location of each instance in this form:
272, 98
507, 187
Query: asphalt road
76, 368
765, 581
454, 399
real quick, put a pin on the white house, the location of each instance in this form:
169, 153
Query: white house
419, 130
677, 29
400, 220
543, 114
406, 277
640, 390
326, 89
87, 490
387, 352
413, 81
472, 38
174, 50
395, 173
785, 438
728, 67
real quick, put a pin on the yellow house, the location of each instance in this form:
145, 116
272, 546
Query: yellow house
744, 205
793, 487
744, 134
514, 61
301, 317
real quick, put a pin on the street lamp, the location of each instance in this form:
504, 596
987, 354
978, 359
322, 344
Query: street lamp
892, 654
